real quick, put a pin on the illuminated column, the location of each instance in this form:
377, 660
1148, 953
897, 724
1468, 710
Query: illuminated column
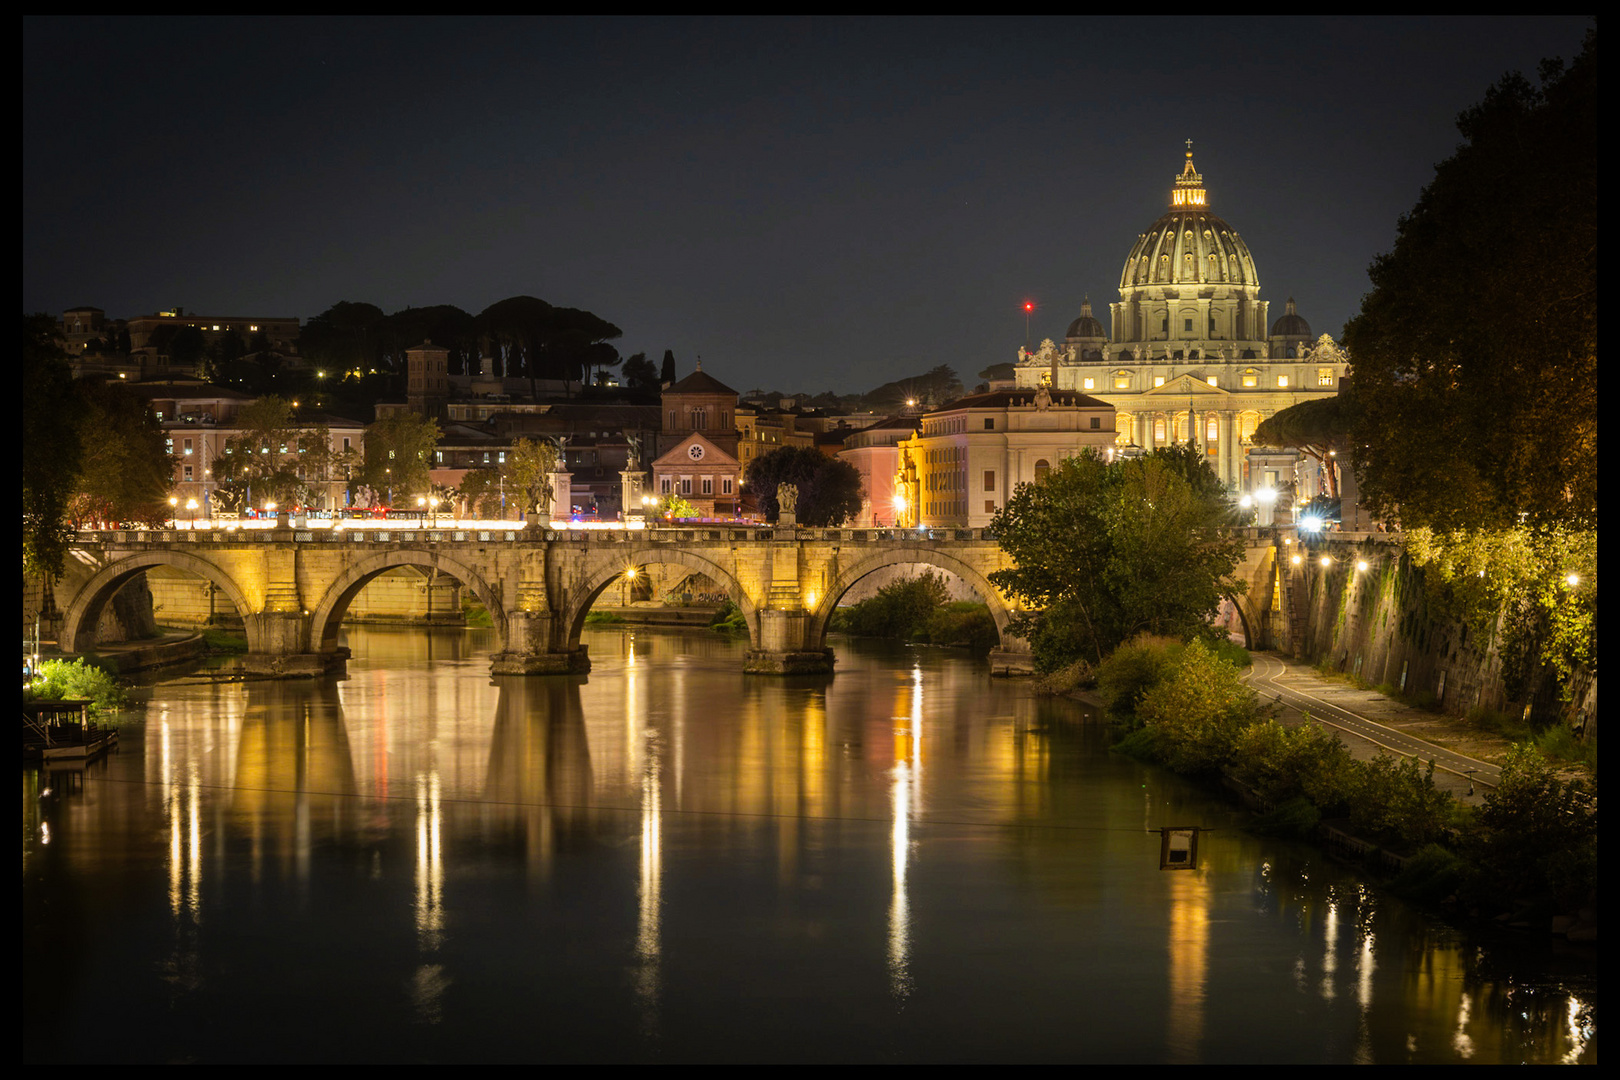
1228, 457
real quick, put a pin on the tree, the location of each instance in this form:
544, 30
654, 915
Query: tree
345, 337
399, 453
1106, 551
527, 475
125, 470
1474, 390
640, 373
1320, 428
50, 458
258, 465
674, 508
666, 374
933, 388
829, 489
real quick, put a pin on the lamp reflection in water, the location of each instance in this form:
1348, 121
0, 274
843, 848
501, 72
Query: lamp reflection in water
649, 888
430, 981
906, 795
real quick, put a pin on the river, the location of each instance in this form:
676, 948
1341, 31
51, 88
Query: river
670, 860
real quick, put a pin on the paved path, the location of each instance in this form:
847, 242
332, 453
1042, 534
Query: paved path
1357, 714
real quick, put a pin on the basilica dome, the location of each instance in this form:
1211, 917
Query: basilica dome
1189, 245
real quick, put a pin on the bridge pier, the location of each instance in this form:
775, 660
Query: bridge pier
1010, 659
783, 649
530, 650
282, 651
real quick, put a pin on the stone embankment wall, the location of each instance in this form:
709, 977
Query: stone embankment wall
1378, 624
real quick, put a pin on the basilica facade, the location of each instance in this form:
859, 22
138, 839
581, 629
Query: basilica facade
1188, 354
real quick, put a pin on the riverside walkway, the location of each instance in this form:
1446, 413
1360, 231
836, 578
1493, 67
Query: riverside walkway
1368, 722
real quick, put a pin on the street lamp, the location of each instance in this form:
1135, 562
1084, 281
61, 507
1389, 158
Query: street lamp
191, 512
174, 504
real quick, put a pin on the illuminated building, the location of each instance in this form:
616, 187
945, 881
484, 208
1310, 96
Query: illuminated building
1187, 356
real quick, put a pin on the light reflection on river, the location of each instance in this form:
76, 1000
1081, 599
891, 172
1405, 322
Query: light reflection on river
672, 860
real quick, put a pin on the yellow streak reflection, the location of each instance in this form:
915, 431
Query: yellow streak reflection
649, 892
906, 798
1189, 963
429, 863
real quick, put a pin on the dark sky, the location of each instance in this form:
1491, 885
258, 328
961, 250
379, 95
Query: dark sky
808, 204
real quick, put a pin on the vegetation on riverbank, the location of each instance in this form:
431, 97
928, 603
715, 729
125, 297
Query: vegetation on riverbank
67, 680
476, 614
729, 620
917, 610
1535, 836
224, 641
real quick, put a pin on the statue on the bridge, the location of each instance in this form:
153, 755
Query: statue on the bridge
787, 499
634, 459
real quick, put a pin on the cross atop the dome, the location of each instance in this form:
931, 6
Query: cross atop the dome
1189, 148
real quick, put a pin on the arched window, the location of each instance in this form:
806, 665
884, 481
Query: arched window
1043, 469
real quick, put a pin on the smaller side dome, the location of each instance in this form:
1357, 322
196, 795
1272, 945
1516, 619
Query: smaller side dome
1086, 327
1291, 324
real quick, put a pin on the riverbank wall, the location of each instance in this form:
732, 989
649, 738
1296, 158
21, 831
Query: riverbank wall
1362, 607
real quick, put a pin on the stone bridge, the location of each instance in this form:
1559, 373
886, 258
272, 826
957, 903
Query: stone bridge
292, 586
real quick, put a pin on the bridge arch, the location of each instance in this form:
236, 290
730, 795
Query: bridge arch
83, 612
327, 615
600, 574
821, 616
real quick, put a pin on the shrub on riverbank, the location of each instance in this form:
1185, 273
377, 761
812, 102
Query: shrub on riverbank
1133, 669
916, 609
61, 680
729, 620
900, 609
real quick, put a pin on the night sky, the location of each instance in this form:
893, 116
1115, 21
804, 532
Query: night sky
807, 204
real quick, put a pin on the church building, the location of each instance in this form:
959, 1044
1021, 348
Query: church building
1186, 355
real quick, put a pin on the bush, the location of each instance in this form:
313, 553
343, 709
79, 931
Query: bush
1395, 800
1432, 875
1232, 652
899, 610
1133, 669
729, 620
1199, 711
962, 623
1537, 833
476, 614
1296, 818
1283, 764
61, 680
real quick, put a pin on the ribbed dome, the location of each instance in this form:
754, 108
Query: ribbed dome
1086, 326
1189, 245
1291, 324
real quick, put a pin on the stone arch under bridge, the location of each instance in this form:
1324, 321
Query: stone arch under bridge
603, 569
83, 608
901, 555
327, 615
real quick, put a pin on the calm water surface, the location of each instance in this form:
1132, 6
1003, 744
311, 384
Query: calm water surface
672, 860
